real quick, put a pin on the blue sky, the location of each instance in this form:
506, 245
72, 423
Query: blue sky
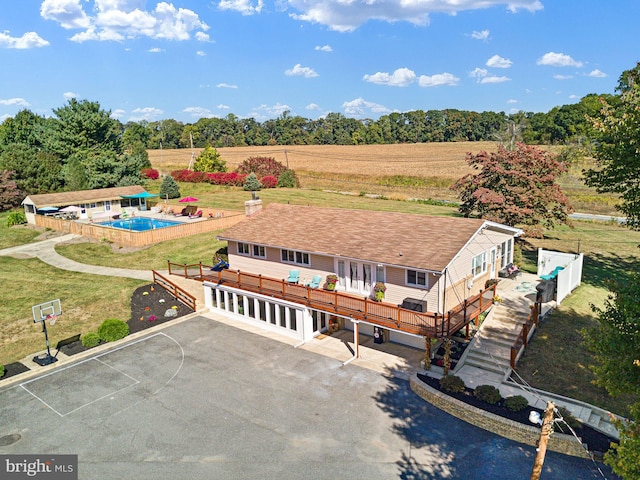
187, 59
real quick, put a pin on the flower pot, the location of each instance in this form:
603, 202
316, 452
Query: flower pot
378, 296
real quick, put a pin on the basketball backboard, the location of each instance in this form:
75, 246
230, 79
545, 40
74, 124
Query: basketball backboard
45, 310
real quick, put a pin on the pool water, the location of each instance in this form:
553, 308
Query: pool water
139, 224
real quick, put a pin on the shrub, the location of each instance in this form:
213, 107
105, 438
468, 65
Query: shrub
112, 329
150, 173
488, 394
516, 403
261, 166
452, 384
1, 371
568, 417
16, 218
189, 176
269, 181
252, 184
90, 340
232, 179
288, 179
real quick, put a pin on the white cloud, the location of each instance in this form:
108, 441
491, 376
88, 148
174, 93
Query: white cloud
200, 53
573, 97
27, 40
155, 50
4, 117
203, 37
199, 112
481, 35
512, 100
245, 7
324, 48
14, 101
70, 95
597, 73
146, 113
498, 62
299, 70
226, 85
563, 77
118, 113
554, 59
312, 106
264, 112
347, 15
222, 106
482, 76
438, 80
361, 107
402, 77
68, 13
118, 20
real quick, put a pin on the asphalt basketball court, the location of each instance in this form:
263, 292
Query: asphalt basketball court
203, 400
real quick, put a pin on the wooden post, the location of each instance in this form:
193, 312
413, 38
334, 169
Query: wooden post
447, 356
545, 432
427, 353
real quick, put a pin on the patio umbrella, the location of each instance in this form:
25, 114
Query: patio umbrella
71, 208
48, 209
188, 200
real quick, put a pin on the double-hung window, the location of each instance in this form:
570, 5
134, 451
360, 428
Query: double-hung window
479, 264
417, 278
293, 256
259, 251
243, 248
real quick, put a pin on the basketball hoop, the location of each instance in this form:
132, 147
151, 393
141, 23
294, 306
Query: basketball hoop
52, 319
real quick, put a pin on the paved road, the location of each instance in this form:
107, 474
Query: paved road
203, 400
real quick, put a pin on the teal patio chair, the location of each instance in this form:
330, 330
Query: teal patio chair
315, 282
294, 276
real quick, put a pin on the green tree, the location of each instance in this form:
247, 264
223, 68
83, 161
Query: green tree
209, 161
169, 188
616, 154
616, 345
252, 184
515, 187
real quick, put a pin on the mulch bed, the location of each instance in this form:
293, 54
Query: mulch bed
12, 369
149, 305
597, 442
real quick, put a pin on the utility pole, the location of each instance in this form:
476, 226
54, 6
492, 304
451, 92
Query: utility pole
545, 432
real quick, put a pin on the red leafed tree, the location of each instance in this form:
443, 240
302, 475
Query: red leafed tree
10, 194
515, 187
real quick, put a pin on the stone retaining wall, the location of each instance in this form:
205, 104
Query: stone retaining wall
529, 435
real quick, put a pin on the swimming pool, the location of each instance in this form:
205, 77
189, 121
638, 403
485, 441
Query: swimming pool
139, 224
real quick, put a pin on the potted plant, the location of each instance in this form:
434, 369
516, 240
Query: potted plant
378, 291
332, 280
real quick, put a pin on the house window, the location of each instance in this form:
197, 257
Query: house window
479, 264
243, 248
380, 273
292, 256
415, 277
259, 251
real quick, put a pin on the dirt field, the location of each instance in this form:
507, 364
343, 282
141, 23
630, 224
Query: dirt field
424, 170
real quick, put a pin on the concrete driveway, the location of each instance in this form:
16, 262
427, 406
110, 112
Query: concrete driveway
203, 400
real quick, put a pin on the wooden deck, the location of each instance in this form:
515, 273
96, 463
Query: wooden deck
387, 315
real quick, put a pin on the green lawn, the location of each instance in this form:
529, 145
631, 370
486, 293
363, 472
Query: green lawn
556, 359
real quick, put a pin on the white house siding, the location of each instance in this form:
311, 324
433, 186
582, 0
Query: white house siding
398, 290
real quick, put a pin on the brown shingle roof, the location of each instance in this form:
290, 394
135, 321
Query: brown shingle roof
409, 240
81, 196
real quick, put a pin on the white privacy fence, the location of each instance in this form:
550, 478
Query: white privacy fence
569, 277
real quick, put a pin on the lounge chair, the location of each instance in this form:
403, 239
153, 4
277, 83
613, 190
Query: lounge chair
552, 275
183, 213
294, 276
198, 214
315, 282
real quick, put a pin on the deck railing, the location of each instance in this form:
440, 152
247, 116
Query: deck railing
430, 324
523, 337
178, 292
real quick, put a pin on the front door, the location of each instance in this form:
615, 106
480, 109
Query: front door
355, 276
492, 260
